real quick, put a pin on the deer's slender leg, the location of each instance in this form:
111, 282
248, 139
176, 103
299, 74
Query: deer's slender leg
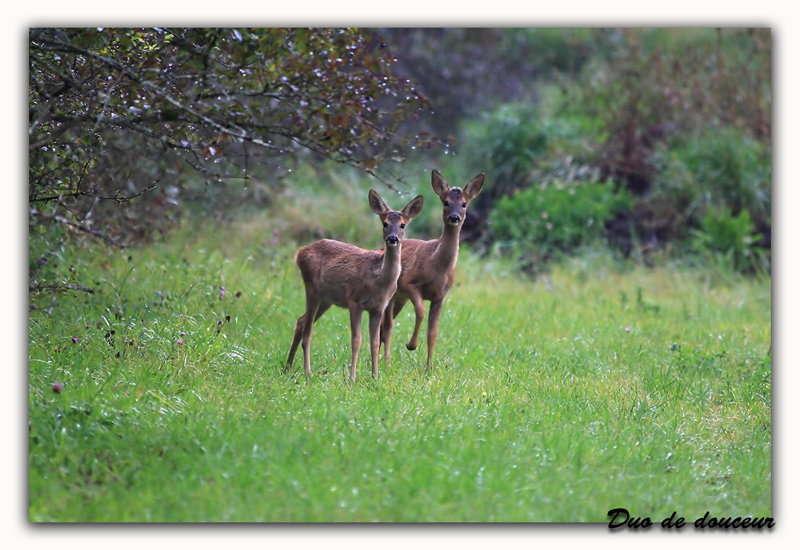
419, 312
355, 337
387, 324
312, 306
298, 334
375, 339
433, 327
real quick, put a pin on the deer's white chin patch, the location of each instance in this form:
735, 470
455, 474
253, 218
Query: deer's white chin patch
392, 245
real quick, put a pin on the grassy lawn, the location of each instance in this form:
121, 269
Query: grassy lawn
551, 400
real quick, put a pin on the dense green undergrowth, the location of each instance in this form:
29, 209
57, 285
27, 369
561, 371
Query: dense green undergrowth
597, 385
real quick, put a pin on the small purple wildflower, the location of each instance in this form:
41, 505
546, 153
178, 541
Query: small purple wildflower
627, 329
183, 333
57, 387
221, 292
74, 340
180, 342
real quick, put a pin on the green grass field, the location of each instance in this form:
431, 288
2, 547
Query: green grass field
601, 385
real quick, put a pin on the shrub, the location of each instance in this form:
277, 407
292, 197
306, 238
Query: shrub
519, 145
659, 83
730, 239
722, 168
732, 169
535, 223
507, 143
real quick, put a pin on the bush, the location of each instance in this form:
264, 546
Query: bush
518, 146
508, 143
722, 168
731, 169
535, 223
731, 240
659, 83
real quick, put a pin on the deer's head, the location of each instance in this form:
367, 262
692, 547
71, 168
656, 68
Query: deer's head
454, 199
394, 221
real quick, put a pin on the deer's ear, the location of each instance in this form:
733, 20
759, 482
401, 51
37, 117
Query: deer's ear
440, 186
376, 203
413, 209
474, 186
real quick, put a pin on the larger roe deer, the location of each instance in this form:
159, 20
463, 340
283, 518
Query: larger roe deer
429, 267
337, 273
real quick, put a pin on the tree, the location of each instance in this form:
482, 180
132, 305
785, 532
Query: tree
113, 111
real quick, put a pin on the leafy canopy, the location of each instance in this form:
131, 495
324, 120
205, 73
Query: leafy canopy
201, 95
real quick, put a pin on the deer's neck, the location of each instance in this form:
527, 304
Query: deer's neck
447, 246
390, 269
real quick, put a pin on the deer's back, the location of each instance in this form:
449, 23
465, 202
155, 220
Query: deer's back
342, 273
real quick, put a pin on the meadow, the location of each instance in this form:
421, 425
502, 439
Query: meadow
599, 384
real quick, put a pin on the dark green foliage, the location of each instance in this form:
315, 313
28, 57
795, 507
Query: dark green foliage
722, 170
679, 117
509, 143
550, 50
721, 167
537, 222
731, 239
659, 83
519, 146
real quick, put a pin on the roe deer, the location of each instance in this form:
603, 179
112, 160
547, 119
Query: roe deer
337, 273
429, 267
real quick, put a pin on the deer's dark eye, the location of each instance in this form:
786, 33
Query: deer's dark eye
447, 203
402, 226
463, 205
385, 224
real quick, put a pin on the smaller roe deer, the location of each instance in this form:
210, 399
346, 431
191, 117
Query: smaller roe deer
429, 267
337, 273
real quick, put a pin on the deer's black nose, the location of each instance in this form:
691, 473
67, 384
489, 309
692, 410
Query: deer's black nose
391, 239
454, 219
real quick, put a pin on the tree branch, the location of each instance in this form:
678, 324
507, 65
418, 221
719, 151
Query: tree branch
79, 226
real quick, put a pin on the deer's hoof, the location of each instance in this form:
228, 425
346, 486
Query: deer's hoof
411, 347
